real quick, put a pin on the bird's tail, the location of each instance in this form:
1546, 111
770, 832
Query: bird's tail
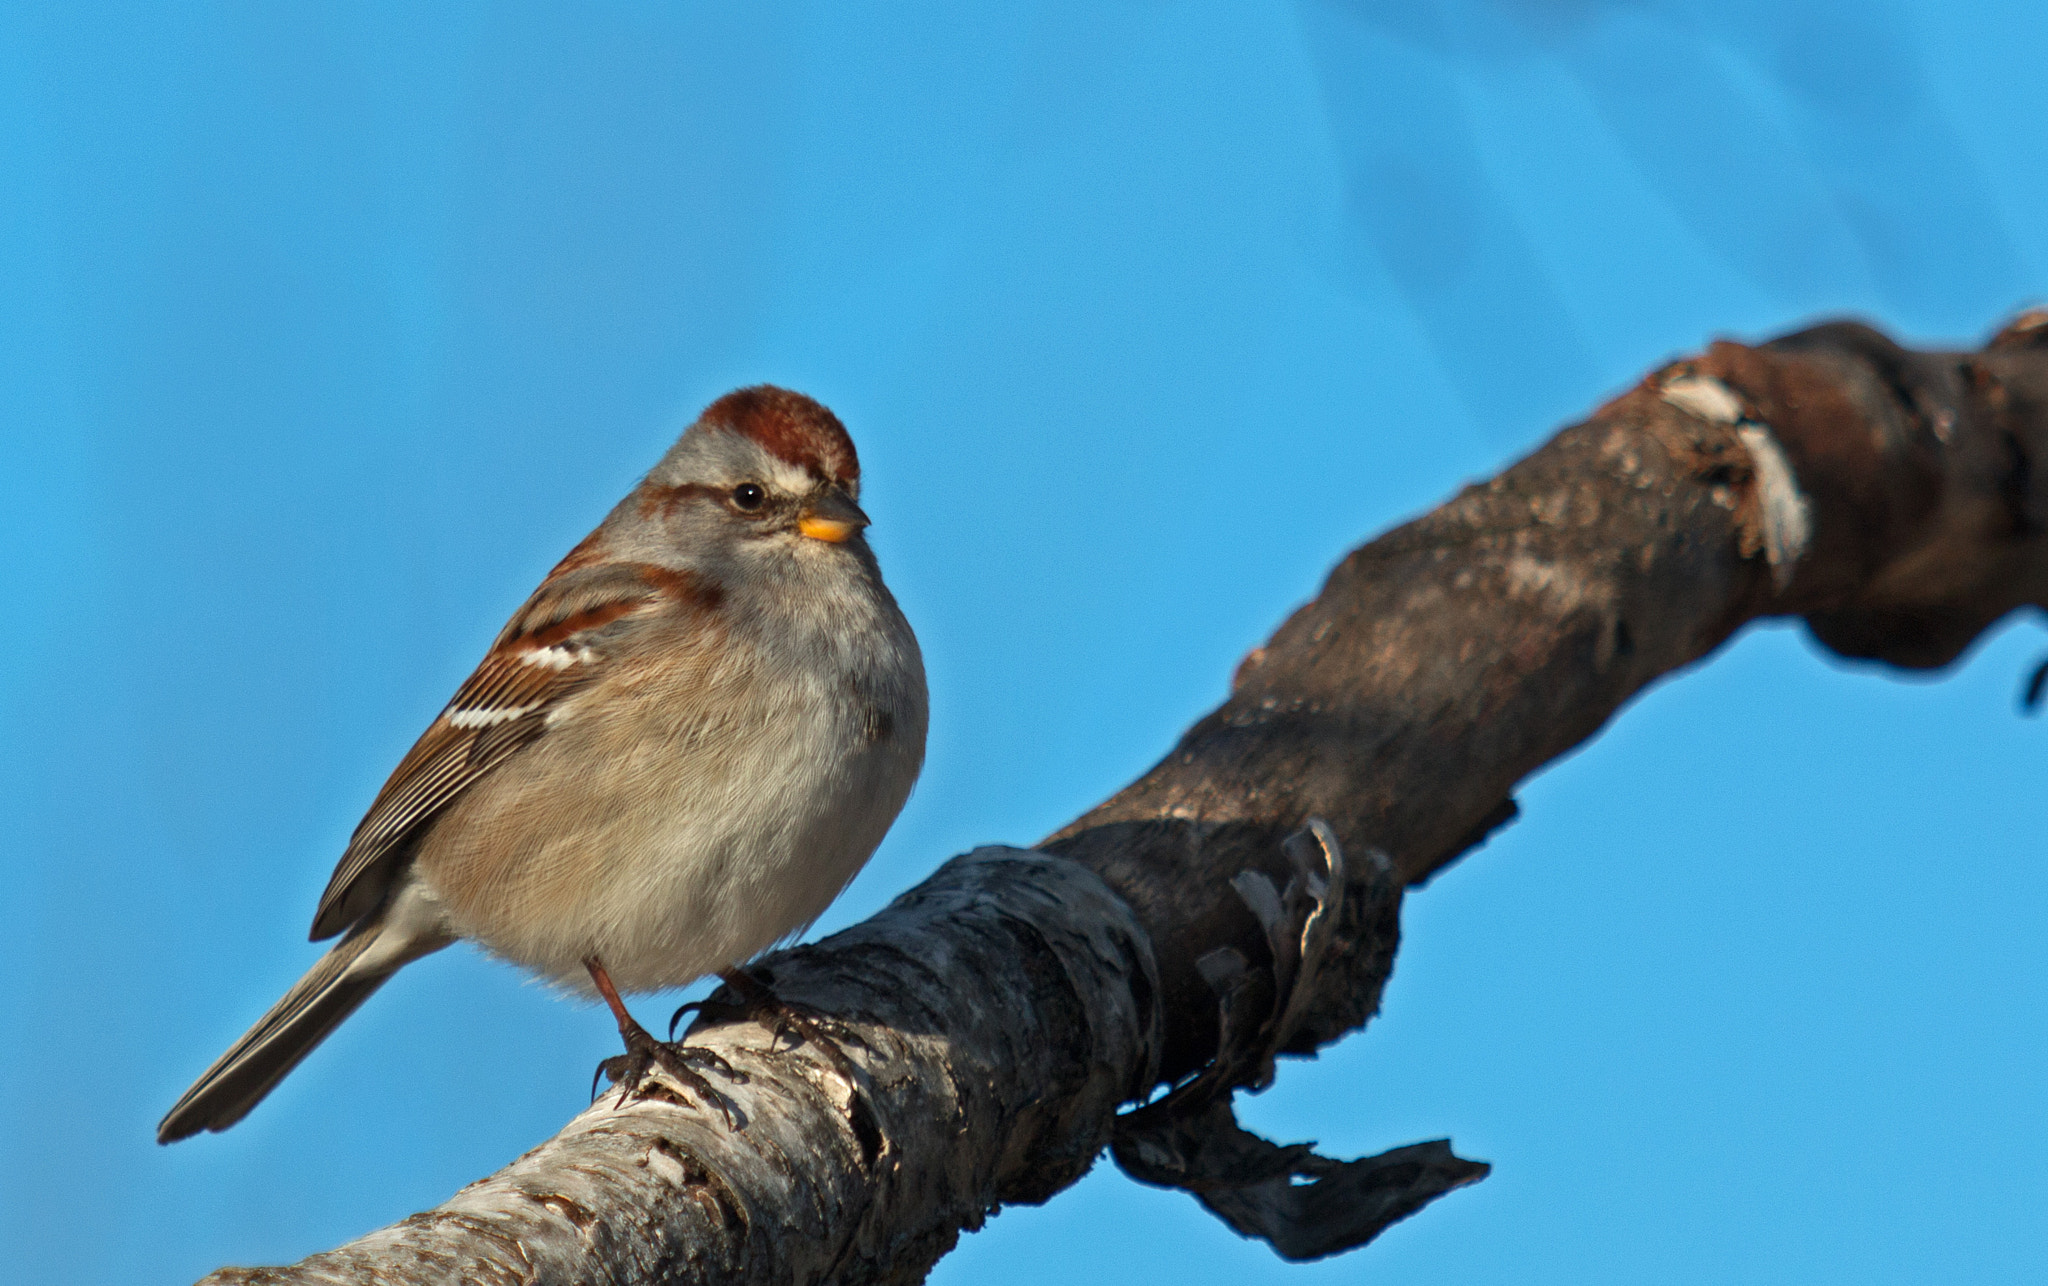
254, 1065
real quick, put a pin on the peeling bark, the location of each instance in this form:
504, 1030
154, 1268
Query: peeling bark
1007, 1007
1895, 500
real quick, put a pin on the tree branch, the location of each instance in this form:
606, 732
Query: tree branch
1895, 500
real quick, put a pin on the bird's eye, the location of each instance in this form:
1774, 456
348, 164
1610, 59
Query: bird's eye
748, 497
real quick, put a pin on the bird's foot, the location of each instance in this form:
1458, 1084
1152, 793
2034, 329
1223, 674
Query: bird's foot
644, 1053
759, 1003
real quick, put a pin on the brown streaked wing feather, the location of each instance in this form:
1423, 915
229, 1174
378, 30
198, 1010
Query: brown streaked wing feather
567, 617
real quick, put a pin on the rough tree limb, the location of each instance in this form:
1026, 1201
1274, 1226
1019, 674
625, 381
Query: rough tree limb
1895, 500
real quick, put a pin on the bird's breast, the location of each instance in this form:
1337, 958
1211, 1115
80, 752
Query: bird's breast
684, 813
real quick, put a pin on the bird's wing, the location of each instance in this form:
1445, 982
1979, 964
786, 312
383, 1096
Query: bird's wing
562, 639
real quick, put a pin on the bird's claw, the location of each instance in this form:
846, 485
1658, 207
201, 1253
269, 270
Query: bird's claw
644, 1053
714, 1010
816, 1025
759, 1003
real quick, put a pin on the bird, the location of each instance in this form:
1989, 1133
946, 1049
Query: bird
675, 755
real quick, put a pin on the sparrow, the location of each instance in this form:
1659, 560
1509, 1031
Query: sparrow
675, 755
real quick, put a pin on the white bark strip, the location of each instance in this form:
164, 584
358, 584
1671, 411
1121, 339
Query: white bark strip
1709, 399
976, 1092
1787, 517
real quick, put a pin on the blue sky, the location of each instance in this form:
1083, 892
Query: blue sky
324, 332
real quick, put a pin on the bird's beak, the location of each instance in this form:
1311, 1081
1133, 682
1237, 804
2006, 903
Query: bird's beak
832, 518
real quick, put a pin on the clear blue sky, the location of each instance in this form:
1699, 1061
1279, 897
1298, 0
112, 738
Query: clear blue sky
325, 330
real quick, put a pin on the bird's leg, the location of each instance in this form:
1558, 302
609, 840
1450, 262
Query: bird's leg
643, 1051
759, 1002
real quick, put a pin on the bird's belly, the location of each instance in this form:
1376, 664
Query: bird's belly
675, 856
